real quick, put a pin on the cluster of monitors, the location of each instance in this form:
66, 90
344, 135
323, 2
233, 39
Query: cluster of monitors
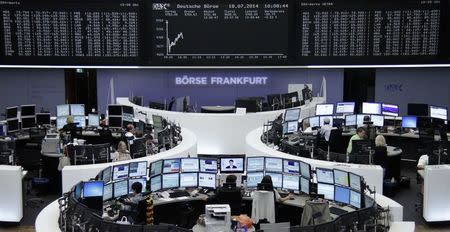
77, 111
349, 108
183, 173
26, 118
120, 116
340, 186
286, 174
291, 117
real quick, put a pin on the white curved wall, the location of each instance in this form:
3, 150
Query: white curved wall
221, 133
71, 175
373, 174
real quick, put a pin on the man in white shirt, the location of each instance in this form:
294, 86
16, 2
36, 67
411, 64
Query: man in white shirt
325, 130
423, 161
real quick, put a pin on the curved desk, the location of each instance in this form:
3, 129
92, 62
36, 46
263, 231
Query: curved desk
71, 175
220, 133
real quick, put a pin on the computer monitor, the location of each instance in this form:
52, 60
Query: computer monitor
120, 171
156, 168
61, 122
327, 190
190, 165
371, 108
114, 110
345, 107
143, 182
409, 122
106, 174
273, 164
189, 180
127, 110
417, 109
107, 192
438, 112
355, 199
207, 180
305, 170
170, 181
324, 109
255, 164
292, 115
115, 122
325, 175
290, 127
322, 120
11, 112
155, 183
277, 179
28, 122
171, 166
208, 165
78, 190
80, 120
314, 122
13, 125
360, 119
62, 110
304, 185
93, 189
232, 164
350, 120
377, 120
342, 194
120, 188
389, 109
291, 182
341, 177
355, 181
254, 178
27, 110
42, 119
93, 120
77, 109
138, 169
291, 166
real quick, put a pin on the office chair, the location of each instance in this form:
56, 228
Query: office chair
30, 160
325, 227
139, 215
231, 196
100, 152
335, 142
263, 206
275, 227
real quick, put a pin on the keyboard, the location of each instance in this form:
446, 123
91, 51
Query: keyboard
176, 194
337, 211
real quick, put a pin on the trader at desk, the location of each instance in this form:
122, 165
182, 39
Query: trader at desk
130, 204
228, 194
360, 134
70, 127
325, 130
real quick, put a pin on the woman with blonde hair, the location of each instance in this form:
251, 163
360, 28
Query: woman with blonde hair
121, 153
380, 156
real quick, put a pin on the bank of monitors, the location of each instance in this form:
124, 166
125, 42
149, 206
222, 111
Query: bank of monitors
170, 181
291, 182
189, 165
42, 119
28, 122
324, 109
171, 166
62, 110
155, 183
120, 188
189, 179
345, 107
207, 180
255, 164
341, 178
156, 168
290, 127
143, 182
322, 120
138, 169
350, 120
377, 120
232, 164
342, 194
27, 110
120, 171
107, 192
273, 164
325, 175
93, 120
77, 109
208, 165
371, 108
409, 122
254, 178
438, 112
291, 166
314, 122
277, 179
389, 110
292, 115
327, 190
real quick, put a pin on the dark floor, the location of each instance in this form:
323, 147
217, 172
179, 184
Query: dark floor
406, 196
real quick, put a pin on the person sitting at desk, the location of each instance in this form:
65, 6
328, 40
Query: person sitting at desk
130, 133
129, 205
380, 156
267, 180
369, 128
360, 134
70, 126
122, 153
325, 130
229, 194
307, 128
150, 146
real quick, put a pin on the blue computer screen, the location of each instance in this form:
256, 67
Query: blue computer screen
409, 122
254, 178
342, 194
93, 189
